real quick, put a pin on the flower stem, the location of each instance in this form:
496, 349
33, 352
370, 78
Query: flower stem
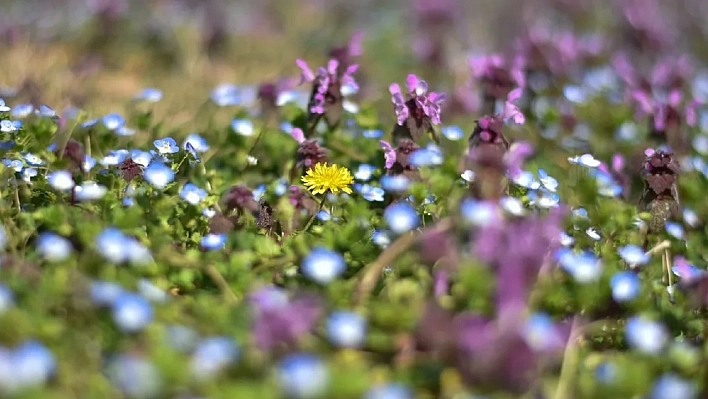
312, 219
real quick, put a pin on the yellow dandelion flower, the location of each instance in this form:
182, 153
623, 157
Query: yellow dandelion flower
323, 178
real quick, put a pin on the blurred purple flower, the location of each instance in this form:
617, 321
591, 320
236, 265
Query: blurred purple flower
418, 104
327, 83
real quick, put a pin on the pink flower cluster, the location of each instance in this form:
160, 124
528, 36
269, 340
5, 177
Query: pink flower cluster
325, 80
419, 101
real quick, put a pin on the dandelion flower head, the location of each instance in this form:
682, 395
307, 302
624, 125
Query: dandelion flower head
323, 178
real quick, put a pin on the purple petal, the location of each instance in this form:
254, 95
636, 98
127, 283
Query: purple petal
298, 135
332, 66
307, 74
412, 83
389, 153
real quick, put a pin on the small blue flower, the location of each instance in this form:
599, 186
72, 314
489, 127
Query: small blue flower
22, 111
479, 213
586, 160
151, 292
543, 199
401, 217
225, 95
548, 182
7, 126
541, 334
90, 191
606, 373
150, 94
527, 180
32, 160
244, 127
453, 132
105, 293
633, 255
7, 298
286, 127
159, 175
15, 164
396, 184
54, 247
213, 241
124, 131
372, 133
33, 364
627, 131
380, 238
113, 245
194, 157
89, 123
592, 233
168, 145
192, 194
364, 172
3, 107
390, 391
181, 338
672, 386
675, 230
135, 376
370, 193
625, 286
199, 143
346, 329
281, 187
131, 313
45, 112
61, 180
322, 265
690, 217
426, 157
259, 191
302, 376
113, 121
213, 354
645, 335
584, 267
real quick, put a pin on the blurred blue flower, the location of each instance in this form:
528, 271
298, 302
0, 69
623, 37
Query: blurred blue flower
690, 217
114, 157
401, 217
575, 94
225, 95
32, 159
606, 372
380, 238
606, 184
527, 180
124, 131
397, 183
565, 239
370, 193
213, 241
390, 391
33, 364
131, 312
324, 215
150, 94
541, 333
159, 175
372, 133
479, 213
113, 121
45, 111
134, 376
453, 132
90, 191
645, 335
181, 338
151, 292
675, 230
168, 145
430, 155
586, 160
212, 354
21, 111
259, 191
3, 107
543, 199
194, 157
198, 142
281, 187
141, 157
346, 329
627, 131
633, 255
585, 267
192, 194
54, 247
323, 265
105, 293
672, 386
7, 126
625, 286
286, 127
548, 182
7, 298
89, 123
61, 180
113, 245
592, 233
244, 127
364, 172
302, 376
15, 164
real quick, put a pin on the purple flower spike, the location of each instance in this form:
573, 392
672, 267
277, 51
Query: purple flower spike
511, 110
389, 153
307, 74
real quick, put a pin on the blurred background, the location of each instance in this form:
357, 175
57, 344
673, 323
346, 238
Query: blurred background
97, 54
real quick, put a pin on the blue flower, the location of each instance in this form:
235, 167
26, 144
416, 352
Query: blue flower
32, 160
397, 183
225, 95
7, 126
45, 112
244, 127
389, 391
134, 376
633, 255
150, 94
192, 194
113, 245
625, 286
452, 132
380, 238
199, 143
151, 292
675, 230
346, 329
194, 156
54, 247
61, 180
584, 267
159, 175
124, 131
15, 164
606, 373
21, 111
426, 157
586, 160
645, 335
548, 182
168, 145
131, 312
115, 157
33, 364
90, 191
213, 241
370, 193
372, 133
105, 293
364, 172
302, 376
322, 265
543, 199
7, 298
181, 338
3, 107
541, 334
113, 121
89, 123
672, 386
479, 213
213, 354
401, 217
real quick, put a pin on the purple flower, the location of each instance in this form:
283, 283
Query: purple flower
327, 83
389, 153
281, 319
515, 157
418, 103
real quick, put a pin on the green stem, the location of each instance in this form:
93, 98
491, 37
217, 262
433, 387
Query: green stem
312, 219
